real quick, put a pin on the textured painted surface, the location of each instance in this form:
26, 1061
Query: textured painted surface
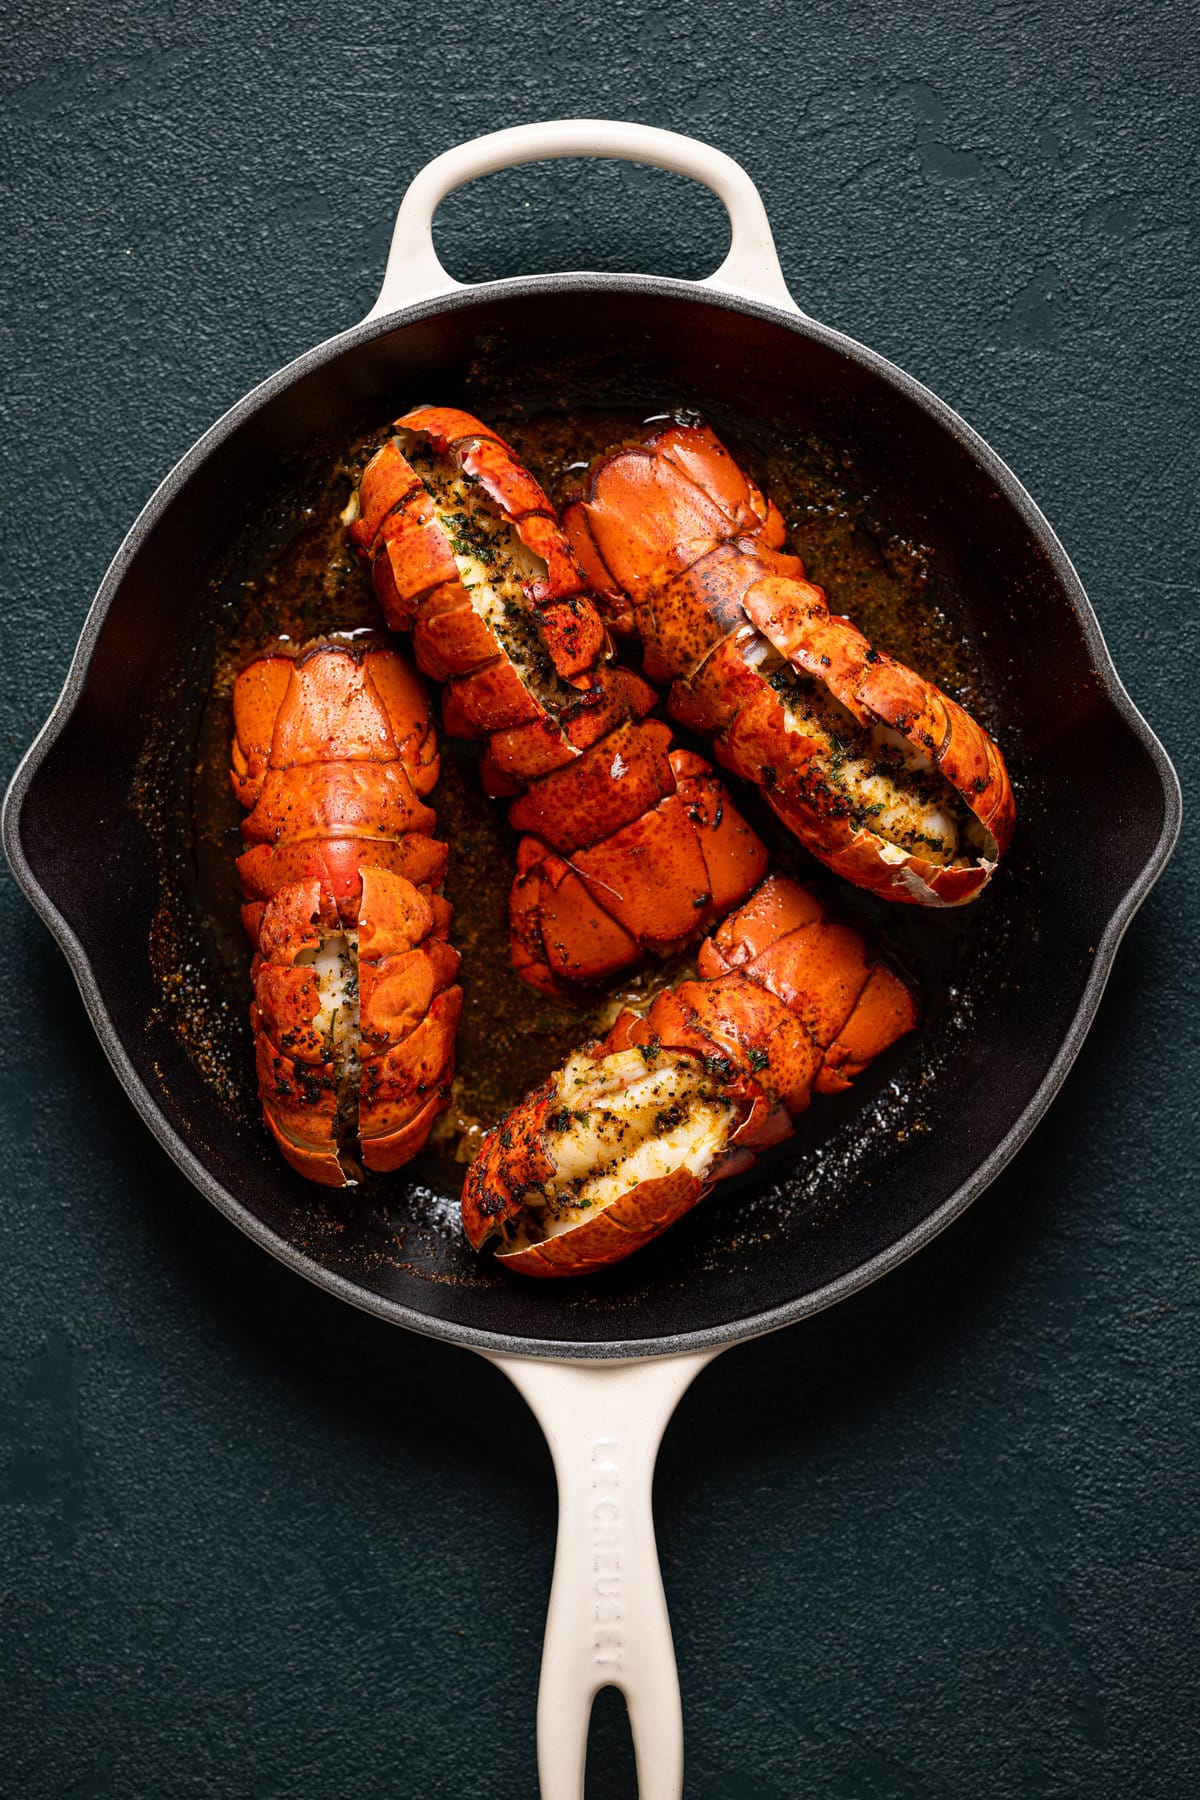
940, 1542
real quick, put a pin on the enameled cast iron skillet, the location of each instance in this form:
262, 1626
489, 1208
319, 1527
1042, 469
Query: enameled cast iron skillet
89, 818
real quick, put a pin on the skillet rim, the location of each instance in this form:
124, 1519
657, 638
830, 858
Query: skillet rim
732, 1331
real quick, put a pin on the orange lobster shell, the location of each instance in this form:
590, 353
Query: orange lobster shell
789, 1003
630, 845
684, 550
333, 751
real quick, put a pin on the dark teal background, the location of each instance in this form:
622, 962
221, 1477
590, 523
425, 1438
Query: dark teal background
938, 1544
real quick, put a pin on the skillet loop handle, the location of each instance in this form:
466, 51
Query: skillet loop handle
751, 267
607, 1623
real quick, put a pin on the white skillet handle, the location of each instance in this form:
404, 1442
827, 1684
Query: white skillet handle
607, 1625
413, 269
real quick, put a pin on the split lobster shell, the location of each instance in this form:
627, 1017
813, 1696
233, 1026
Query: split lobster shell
635, 1130
355, 1005
879, 774
631, 846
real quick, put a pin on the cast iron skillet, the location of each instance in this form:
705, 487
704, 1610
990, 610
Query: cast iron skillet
91, 824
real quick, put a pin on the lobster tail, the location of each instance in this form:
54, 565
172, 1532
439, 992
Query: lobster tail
882, 776
630, 847
633, 1131
355, 1008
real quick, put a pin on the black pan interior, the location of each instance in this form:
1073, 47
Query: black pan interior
100, 811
